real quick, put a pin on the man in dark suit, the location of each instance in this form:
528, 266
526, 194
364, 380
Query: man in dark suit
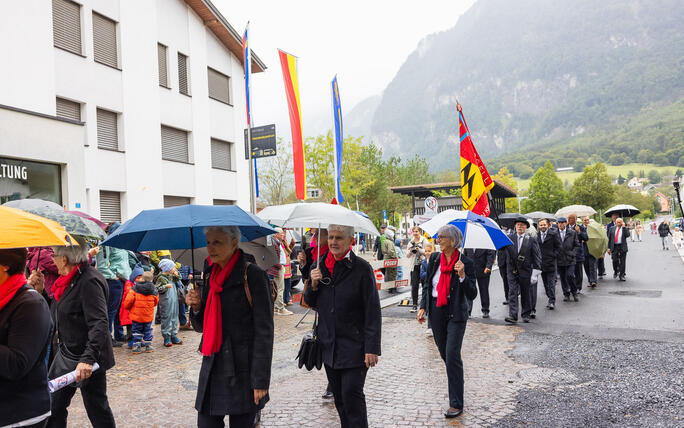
501, 261
484, 259
582, 237
601, 262
589, 260
566, 259
617, 247
549, 245
522, 257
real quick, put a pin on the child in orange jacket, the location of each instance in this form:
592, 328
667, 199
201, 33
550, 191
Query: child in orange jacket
140, 302
124, 316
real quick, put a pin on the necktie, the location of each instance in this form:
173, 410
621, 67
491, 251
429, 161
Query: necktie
563, 235
617, 233
543, 236
520, 239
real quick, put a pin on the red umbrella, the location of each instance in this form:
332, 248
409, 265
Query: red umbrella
91, 218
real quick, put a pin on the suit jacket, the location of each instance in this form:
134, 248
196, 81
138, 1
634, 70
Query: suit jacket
549, 249
567, 251
482, 259
349, 318
622, 245
532, 256
459, 292
502, 254
582, 237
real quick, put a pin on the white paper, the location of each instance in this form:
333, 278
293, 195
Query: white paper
65, 380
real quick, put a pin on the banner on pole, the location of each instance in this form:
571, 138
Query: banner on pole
475, 180
339, 137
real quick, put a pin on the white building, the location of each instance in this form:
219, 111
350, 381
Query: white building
115, 106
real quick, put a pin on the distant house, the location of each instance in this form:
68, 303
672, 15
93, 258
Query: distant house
664, 202
636, 183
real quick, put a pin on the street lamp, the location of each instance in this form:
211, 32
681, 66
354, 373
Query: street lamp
520, 198
675, 184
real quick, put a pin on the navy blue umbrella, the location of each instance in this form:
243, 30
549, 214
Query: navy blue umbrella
182, 227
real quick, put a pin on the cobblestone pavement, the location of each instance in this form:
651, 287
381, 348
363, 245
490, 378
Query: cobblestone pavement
407, 388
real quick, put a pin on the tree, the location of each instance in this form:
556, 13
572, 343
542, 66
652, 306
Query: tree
276, 179
660, 159
506, 177
678, 173
593, 187
642, 174
618, 159
525, 171
653, 177
579, 164
630, 175
681, 161
546, 191
644, 156
620, 179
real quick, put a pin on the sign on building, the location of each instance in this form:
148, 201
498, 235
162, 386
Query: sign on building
263, 141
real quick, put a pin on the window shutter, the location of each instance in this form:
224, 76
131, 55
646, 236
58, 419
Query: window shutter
107, 131
66, 25
110, 206
174, 144
163, 71
223, 202
219, 86
220, 154
175, 201
68, 109
105, 45
183, 74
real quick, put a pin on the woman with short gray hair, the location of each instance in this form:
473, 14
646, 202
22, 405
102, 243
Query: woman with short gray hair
80, 313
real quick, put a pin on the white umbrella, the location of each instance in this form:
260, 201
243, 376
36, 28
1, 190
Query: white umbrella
316, 214
478, 231
578, 210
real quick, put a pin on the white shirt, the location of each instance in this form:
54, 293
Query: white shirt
562, 233
520, 241
283, 256
435, 280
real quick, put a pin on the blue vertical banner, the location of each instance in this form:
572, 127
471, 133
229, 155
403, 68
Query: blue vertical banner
339, 138
247, 55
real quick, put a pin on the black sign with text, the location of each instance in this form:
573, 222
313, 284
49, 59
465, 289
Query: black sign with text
263, 142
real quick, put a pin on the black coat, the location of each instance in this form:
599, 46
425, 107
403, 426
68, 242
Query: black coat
549, 249
349, 317
530, 252
582, 237
566, 254
81, 318
482, 259
228, 377
622, 245
459, 292
25, 322
663, 230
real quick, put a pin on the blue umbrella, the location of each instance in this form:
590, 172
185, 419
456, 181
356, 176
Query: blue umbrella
478, 231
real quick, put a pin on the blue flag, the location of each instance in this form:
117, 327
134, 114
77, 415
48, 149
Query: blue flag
339, 138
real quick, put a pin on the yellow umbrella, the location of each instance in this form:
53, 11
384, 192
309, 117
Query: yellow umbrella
19, 229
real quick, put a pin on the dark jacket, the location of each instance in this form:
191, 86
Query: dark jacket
529, 251
622, 245
502, 254
582, 238
459, 292
25, 323
243, 363
349, 318
81, 318
378, 248
663, 230
482, 259
566, 253
549, 249
423, 270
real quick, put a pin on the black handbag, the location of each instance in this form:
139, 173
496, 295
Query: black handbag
63, 363
310, 351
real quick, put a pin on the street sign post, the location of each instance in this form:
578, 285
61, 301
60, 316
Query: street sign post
263, 141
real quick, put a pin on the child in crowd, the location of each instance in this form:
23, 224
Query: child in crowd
141, 301
124, 313
168, 301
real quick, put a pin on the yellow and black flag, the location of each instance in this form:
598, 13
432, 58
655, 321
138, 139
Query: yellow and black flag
475, 180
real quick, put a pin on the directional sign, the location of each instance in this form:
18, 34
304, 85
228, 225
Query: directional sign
263, 142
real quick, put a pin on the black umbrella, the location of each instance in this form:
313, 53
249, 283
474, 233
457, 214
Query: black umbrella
538, 215
623, 210
509, 219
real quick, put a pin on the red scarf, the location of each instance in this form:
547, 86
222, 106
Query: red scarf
314, 252
63, 282
213, 321
10, 287
446, 269
330, 260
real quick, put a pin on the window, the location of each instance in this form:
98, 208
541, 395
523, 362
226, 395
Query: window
223, 202
220, 155
219, 86
105, 44
174, 144
175, 201
66, 25
110, 206
163, 70
183, 84
68, 109
107, 130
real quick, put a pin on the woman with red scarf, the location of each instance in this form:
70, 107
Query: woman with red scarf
236, 320
449, 283
25, 327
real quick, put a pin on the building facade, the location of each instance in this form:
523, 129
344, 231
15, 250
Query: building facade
115, 106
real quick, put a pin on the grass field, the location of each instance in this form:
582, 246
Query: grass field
613, 170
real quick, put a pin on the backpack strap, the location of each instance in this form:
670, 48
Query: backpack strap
248, 294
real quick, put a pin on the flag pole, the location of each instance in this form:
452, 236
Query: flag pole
334, 137
248, 100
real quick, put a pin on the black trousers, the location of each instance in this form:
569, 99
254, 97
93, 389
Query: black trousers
567, 277
518, 285
483, 286
350, 401
245, 420
601, 264
549, 279
619, 261
94, 393
415, 284
579, 276
590, 268
504, 278
448, 335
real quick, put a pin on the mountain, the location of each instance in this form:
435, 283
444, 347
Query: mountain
357, 121
537, 75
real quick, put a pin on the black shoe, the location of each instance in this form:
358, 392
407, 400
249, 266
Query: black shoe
526, 320
614, 275
414, 309
566, 298
511, 320
622, 278
328, 395
593, 285
452, 413
575, 298
505, 303
485, 314
117, 344
550, 306
533, 315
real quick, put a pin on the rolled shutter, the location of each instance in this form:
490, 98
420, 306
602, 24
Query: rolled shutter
175, 201
183, 86
107, 130
105, 45
220, 154
174, 144
223, 202
219, 86
68, 109
163, 70
110, 206
66, 25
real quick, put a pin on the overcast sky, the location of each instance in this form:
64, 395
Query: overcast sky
364, 42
